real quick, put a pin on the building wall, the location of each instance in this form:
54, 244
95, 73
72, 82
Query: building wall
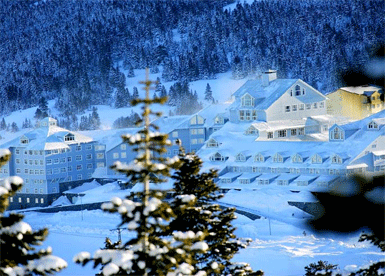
299, 106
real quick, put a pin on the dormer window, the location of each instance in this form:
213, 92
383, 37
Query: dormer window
251, 131
337, 134
69, 137
259, 158
219, 120
316, 159
217, 157
247, 100
296, 159
240, 158
24, 141
212, 143
336, 159
372, 125
277, 158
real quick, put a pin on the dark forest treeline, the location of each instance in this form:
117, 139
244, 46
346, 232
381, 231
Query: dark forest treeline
69, 50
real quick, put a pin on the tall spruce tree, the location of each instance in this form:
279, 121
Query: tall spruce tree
209, 93
18, 255
207, 216
146, 213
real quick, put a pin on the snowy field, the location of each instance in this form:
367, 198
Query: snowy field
280, 247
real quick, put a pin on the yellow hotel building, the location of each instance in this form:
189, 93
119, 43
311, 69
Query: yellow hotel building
356, 102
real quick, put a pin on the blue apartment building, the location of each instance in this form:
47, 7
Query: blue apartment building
50, 160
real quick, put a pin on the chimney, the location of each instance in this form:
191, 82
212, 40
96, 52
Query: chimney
268, 77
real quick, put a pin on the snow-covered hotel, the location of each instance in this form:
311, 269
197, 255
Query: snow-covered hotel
280, 133
50, 160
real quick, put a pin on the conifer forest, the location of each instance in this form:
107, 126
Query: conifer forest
79, 52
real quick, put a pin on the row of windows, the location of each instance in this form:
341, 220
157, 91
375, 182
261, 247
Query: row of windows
295, 107
247, 115
27, 200
197, 141
115, 155
30, 152
279, 158
69, 169
195, 131
293, 170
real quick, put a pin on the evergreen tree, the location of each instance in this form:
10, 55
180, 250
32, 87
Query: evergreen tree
3, 124
17, 239
122, 98
14, 127
135, 93
320, 268
209, 93
208, 217
146, 213
94, 119
43, 106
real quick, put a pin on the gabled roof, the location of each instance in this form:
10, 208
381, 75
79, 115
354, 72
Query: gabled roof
265, 96
366, 90
47, 138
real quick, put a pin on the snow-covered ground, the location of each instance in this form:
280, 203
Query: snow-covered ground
281, 246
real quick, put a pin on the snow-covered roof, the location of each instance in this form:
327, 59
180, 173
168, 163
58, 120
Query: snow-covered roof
265, 96
230, 175
234, 141
362, 90
47, 138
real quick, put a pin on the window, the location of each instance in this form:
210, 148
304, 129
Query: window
70, 168
337, 134
30, 171
175, 134
80, 177
321, 104
296, 159
56, 170
18, 171
259, 158
294, 107
270, 135
219, 120
240, 158
30, 162
89, 156
194, 141
49, 171
69, 137
293, 132
247, 115
336, 160
297, 90
89, 147
115, 155
24, 141
287, 108
78, 158
56, 161
278, 158
201, 141
79, 167
41, 172
17, 151
100, 147
282, 133
36, 162
63, 160
26, 161
251, 131
315, 105
217, 157
247, 100
193, 131
89, 166
78, 148
301, 131
63, 169
244, 181
27, 199
26, 171
301, 106
308, 106
69, 159
212, 143
17, 161
42, 200
200, 131
123, 155
316, 159
372, 125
